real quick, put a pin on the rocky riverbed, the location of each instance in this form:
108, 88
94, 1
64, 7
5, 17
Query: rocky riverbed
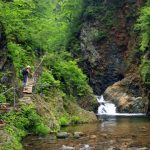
121, 133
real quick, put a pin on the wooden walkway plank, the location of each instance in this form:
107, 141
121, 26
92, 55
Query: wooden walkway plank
28, 88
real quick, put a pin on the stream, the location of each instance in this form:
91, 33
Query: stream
113, 133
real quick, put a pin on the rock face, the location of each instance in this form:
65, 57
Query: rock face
6, 67
53, 108
107, 43
109, 52
126, 94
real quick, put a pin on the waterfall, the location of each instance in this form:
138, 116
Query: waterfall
105, 108
108, 108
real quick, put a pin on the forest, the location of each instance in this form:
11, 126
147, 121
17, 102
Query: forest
49, 31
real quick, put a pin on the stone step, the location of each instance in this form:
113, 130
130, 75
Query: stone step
26, 101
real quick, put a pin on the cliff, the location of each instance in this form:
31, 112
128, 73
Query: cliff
109, 53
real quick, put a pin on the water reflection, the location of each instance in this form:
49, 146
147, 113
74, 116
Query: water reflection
114, 132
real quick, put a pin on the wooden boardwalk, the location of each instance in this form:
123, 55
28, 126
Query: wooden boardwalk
28, 88
27, 91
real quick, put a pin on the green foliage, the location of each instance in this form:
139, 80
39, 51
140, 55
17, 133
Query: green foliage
19, 123
20, 56
72, 80
46, 81
143, 27
145, 70
100, 11
6, 97
75, 120
64, 121
31, 26
27, 120
41, 129
2, 99
143, 24
16, 135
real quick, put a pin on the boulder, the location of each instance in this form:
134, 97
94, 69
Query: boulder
127, 96
63, 135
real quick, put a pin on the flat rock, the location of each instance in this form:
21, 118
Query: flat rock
62, 135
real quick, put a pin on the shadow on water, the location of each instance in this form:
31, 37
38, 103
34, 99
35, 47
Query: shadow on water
113, 132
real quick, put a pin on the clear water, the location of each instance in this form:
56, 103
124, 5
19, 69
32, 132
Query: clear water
113, 133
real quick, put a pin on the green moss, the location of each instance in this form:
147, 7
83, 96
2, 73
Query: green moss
19, 123
64, 121
145, 71
75, 120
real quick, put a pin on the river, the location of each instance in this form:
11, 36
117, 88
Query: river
113, 133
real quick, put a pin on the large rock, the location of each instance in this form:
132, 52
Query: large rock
127, 95
62, 135
54, 107
7, 73
108, 48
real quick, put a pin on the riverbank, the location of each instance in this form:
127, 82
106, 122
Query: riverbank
121, 133
40, 116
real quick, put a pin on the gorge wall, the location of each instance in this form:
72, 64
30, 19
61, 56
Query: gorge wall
6, 66
109, 53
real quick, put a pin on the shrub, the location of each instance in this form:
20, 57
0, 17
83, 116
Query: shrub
64, 121
2, 99
75, 120
18, 124
41, 129
72, 80
145, 71
27, 120
6, 97
46, 81
144, 27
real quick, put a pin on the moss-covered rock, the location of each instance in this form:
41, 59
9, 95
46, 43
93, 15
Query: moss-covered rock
54, 107
9, 142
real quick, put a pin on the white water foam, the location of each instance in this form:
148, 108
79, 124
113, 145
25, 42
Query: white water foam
107, 108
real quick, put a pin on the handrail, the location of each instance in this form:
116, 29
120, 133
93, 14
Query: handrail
39, 64
27, 84
14, 88
6, 91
